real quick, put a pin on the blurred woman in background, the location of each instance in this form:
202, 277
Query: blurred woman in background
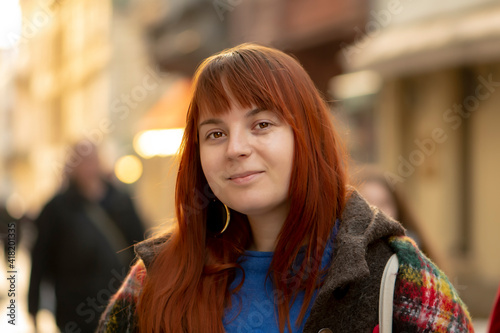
375, 188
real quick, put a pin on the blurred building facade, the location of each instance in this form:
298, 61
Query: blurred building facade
56, 92
80, 70
313, 31
435, 121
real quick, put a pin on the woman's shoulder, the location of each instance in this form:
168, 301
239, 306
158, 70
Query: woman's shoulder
119, 315
148, 249
412, 261
423, 291
132, 285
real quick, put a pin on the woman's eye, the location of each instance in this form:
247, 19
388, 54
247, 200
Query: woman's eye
215, 135
263, 125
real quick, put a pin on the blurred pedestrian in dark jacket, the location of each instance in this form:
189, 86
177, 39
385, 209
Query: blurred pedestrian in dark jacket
83, 247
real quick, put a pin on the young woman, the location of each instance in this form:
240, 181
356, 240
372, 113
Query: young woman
269, 237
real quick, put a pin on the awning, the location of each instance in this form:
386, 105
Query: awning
471, 36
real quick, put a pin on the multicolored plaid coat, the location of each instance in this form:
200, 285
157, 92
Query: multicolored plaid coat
424, 301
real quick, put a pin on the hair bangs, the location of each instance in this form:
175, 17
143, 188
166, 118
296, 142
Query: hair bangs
241, 78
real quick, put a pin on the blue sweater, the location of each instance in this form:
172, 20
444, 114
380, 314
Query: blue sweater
252, 308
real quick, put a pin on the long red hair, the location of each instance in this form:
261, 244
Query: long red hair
187, 286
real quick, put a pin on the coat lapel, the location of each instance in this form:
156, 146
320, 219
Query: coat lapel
361, 224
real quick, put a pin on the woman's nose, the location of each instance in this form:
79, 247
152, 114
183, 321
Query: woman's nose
238, 145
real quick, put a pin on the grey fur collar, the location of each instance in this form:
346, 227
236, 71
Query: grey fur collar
148, 249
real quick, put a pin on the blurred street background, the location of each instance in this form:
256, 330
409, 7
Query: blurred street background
414, 87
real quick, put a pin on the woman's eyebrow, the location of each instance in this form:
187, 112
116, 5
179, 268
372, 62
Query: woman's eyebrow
218, 121
253, 112
213, 121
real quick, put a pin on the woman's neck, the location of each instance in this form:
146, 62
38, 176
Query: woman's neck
266, 228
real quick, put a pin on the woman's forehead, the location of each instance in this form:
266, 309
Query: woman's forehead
234, 108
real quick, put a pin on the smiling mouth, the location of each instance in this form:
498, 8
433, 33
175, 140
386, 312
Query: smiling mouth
244, 177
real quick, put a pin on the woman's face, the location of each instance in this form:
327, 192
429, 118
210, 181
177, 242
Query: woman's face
247, 156
378, 195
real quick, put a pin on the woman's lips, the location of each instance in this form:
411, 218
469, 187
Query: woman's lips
245, 178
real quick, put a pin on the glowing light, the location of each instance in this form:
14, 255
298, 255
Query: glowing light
128, 169
10, 23
355, 84
163, 142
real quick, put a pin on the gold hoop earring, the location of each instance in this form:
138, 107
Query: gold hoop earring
228, 218
218, 217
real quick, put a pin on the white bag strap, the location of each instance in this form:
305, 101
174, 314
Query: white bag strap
386, 298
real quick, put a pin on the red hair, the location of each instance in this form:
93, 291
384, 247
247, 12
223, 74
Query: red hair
187, 287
